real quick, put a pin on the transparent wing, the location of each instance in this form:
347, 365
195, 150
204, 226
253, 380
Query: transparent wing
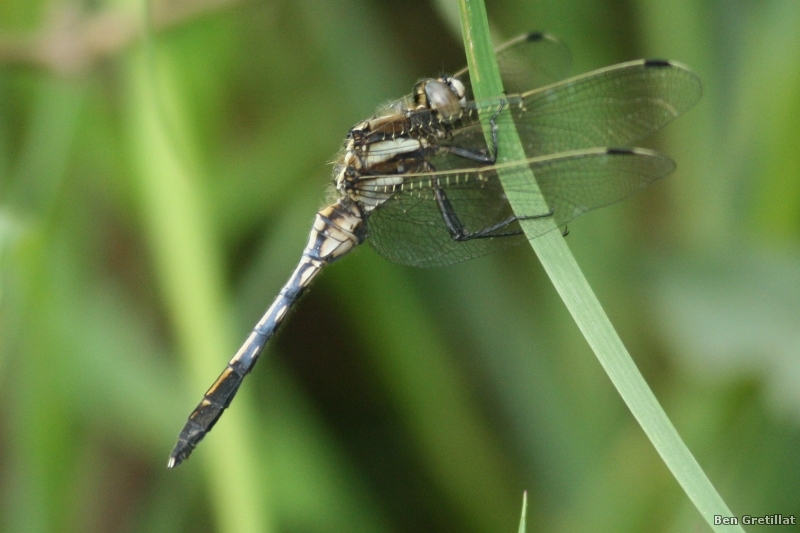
409, 228
613, 106
526, 62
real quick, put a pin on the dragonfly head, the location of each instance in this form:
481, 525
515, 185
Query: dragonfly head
445, 95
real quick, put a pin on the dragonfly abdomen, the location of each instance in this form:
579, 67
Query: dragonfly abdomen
337, 229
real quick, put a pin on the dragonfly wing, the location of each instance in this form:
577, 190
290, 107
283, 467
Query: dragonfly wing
573, 183
409, 228
614, 106
526, 62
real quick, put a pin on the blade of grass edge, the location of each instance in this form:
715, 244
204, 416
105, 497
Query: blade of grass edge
175, 219
522, 518
578, 296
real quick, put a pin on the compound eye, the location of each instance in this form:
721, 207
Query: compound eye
442, 98
458, 88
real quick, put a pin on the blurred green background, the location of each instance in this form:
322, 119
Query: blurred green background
160, 166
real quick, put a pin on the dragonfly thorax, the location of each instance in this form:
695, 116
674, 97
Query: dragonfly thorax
394, 155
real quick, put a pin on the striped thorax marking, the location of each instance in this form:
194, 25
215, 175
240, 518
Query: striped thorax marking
397, 143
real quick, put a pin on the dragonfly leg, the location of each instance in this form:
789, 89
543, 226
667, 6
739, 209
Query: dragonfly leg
459, 233
488, 157
489, 231
493, 126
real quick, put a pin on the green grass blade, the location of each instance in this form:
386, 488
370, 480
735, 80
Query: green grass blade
177, 223
579, 298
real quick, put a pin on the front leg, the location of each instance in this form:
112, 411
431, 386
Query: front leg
481, 156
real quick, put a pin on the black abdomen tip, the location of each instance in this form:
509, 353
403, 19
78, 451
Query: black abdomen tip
657, 63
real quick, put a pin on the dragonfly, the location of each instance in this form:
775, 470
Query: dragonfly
420, 181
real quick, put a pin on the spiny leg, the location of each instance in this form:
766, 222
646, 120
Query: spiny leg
481, 156
457, 230
451, 220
